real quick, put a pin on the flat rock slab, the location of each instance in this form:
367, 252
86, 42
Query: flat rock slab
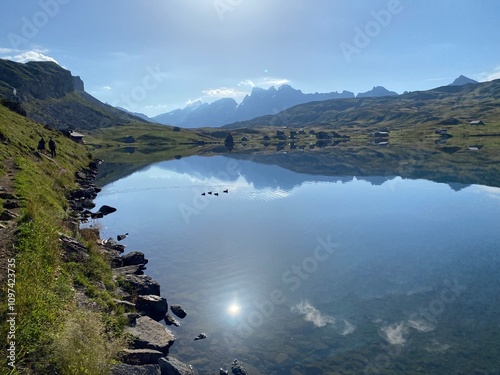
124, 369
141, 356
149, 334
129, 270
172, 366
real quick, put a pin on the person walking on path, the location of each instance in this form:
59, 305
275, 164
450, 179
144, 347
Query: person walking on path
41, 146
52, 146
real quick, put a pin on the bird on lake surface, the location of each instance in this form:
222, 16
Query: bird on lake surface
203, 194
210, 192
216, 194
225, 191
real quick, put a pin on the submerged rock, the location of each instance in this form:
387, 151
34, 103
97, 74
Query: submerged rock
237, 368
169, 320
140, 356
124, 369
201, 336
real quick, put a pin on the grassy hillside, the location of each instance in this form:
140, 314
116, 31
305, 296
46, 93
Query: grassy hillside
423, 109
49, 326
52, 96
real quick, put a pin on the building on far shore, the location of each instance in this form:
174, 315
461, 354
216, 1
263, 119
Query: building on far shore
476, 122
77, 137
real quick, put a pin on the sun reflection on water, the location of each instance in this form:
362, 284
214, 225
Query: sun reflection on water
234, 309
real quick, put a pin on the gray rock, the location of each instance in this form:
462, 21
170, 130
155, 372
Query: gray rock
88, 204
178, 311
153, 306
121, 237
140, 356
106, 210
149, 334
142, 284
8, 215
9, 205
172, 366
124, 369
129, 270
5, 195
201, 336
170, 320
237, 368
133, 258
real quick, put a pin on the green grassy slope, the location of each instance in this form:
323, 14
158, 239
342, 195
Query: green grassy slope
49, 326
424, 108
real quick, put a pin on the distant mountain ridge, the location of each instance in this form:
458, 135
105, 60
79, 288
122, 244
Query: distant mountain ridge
262, 102
52, 96
227, 110
438, 106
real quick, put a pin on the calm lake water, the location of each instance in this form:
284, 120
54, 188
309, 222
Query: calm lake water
306, 274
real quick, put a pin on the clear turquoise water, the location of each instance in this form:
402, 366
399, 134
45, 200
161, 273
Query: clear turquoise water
295, 273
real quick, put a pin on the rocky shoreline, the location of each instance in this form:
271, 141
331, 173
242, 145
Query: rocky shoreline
138, 293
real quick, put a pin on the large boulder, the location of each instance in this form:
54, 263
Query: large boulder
141, 284
172, 366
133, 258
149, 334
151, 305
178, 311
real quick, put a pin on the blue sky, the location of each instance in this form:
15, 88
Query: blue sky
153, 56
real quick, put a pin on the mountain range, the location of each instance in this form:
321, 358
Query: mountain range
259, 103
446, 105
227, 110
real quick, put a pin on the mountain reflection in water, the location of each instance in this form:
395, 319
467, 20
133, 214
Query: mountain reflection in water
314, 273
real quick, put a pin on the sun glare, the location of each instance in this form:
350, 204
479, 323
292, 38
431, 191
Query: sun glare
234, 309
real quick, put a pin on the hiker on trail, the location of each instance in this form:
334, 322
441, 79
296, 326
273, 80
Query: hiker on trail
52, 146
41, 145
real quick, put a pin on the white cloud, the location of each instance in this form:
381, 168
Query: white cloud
395, 333
247, 82
268, 82
8, 50
312, 314
490, 76
223, 92
33, 55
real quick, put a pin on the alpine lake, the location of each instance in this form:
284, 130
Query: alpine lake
344, 259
